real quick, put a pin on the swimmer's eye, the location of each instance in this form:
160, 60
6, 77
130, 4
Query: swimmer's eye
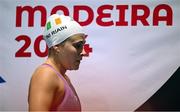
78, 45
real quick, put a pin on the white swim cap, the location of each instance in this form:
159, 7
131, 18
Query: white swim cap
58, 28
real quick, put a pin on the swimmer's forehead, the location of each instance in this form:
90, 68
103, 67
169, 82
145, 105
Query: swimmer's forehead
77, 38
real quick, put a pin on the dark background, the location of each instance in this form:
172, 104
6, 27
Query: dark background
167, 98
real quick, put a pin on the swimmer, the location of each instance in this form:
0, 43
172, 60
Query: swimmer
50, 88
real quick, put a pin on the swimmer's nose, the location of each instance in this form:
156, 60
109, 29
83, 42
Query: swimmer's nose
83, 53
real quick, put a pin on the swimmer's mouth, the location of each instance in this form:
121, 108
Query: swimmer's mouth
79, 60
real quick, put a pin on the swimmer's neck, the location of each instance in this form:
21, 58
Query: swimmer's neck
56, 66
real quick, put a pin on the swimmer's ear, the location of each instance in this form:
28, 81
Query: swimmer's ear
56, 49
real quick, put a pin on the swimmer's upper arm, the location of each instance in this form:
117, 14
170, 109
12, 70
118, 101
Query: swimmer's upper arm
41, 91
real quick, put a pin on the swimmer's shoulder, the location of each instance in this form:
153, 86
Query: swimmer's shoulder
45, 76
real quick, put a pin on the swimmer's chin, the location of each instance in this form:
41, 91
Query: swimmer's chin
74, 68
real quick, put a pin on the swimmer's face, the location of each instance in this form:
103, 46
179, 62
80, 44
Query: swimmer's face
71, 52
